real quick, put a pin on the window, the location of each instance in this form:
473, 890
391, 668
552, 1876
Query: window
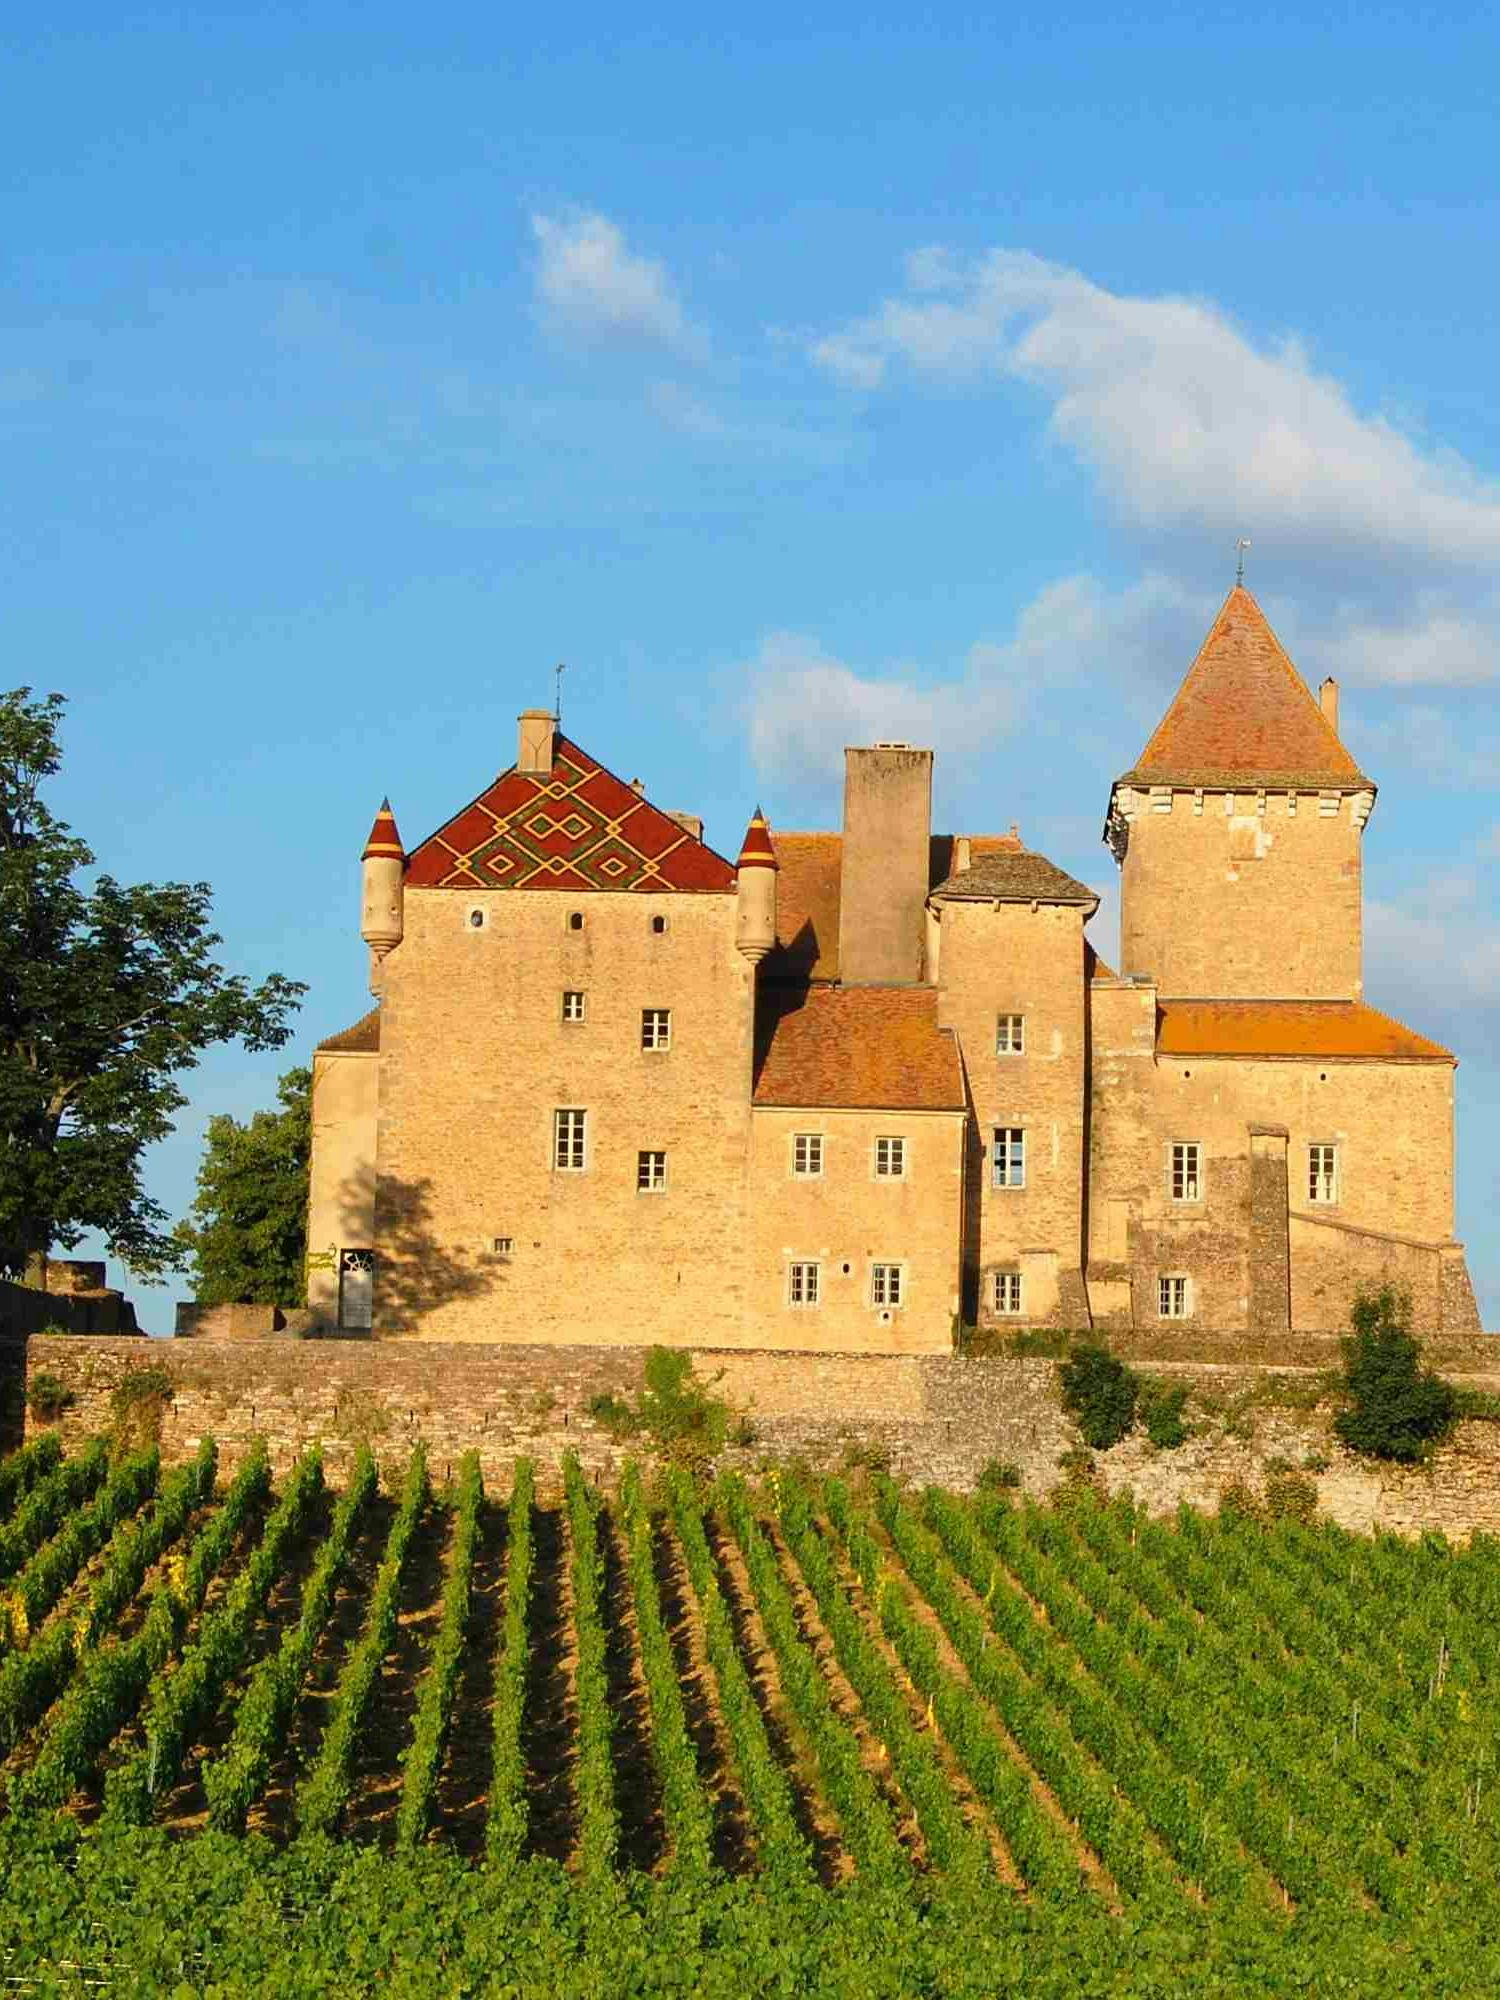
1172, 1298
476, 920
357, 1288
807, 1155
568, 1128
650, 1173
890, 1159
886, 1283
1187, 1170
1010, 1157
1007, 1291
1010, 1035
575, 920
802, 1284
1323, 1173
503, 1245
656, 1028
658, 926
573, 1007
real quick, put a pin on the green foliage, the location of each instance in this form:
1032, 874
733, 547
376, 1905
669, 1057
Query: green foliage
107, 996
424, 1753
48, 1396
1101, 1393
1162, 1406
505, 1826
54, 1566
1290, 1496
676, 1415
1000, 1475
1396, 1409
594, 1771
22, 1469
248, 1234
138, 1403
48, 1503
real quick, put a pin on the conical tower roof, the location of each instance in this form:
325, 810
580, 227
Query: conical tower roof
756, 850
1245, 718
384, 842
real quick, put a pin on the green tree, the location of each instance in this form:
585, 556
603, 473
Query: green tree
1101, 1393
248, 1233
1396, 1409
107, 995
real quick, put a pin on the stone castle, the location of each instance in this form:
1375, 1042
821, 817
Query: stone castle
858, 1089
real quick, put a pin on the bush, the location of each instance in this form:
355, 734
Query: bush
139, 1402
1397, 1409
47, 1396
1162, 1405
1101, 1393
1240, 1502
675, 1413
999, 1475
1291, 1496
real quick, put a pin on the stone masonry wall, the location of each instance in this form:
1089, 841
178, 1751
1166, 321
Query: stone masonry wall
938, 1418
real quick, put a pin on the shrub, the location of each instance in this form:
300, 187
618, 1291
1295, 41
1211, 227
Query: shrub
1240, 1502
1101, 1393
1397, 1409
1162, 1405
999, 1475
139, 1401
1291, 1496
675, 1412
47, 1396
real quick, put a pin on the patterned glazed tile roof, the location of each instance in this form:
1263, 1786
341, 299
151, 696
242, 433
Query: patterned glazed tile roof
581, 828
362, 1039
1014, 877
1332, 1030
807, 896
859, 1047
1245, 716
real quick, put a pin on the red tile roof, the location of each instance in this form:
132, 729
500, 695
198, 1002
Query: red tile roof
1245, 716
362, 1039
860, 1047
1329, 1030
581, 828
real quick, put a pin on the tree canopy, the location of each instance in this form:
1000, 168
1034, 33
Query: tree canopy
248, 1233
108, 995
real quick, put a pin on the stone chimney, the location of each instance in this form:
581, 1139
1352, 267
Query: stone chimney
534, 751
1328, 701
883, 887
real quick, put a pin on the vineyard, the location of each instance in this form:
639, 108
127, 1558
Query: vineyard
802, 1736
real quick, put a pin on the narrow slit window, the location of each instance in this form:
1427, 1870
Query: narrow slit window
802, 1284
1172, 1298
569, 1131
1323, 1174
887, 1284
1009, 1167
656, 1027
1010, 1035
1007, 1292
807, 1155
890, 1159
650, 1172
1187, 1170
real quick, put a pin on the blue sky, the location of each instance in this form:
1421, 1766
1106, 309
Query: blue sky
794, 384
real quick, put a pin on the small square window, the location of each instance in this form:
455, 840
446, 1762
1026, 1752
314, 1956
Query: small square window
887, 1284
658, 926
575, 920
802, 1284
574, 1007
1010, 1035
656, 1028
1172, 1300
1323, 1174
1187, 1170
1007, 1292
1008, 1169
650, 1173
503, 1245
890, 1159
568, 1136
807, 1155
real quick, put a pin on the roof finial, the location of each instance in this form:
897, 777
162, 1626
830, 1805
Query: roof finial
1239, 568
557, 673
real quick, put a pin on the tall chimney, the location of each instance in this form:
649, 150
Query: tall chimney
1328, 701
534, 751
884, 881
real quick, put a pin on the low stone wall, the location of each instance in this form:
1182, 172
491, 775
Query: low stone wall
26, 1309
938, 1418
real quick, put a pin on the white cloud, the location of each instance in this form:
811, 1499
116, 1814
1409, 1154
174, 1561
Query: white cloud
1432, 958
591, 287
1197, 433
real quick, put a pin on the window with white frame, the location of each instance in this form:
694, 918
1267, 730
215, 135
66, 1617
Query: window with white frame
569, 1132
574, 1007
802, 1284
1010, 1035
1187, 1170
1009, 1165
1323, 1173
656, 1028
650, 1172
807, 1155
1172, 1298
890, 1159
1007, 1292
887, 1284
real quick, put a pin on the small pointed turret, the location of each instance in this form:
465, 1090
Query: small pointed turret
382, 869
755, 923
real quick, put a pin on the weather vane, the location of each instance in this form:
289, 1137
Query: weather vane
558, 672
1239, 548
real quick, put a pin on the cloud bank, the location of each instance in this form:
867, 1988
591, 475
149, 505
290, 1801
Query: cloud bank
592, 289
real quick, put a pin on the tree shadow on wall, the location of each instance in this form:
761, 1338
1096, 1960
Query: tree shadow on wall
415, 1272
